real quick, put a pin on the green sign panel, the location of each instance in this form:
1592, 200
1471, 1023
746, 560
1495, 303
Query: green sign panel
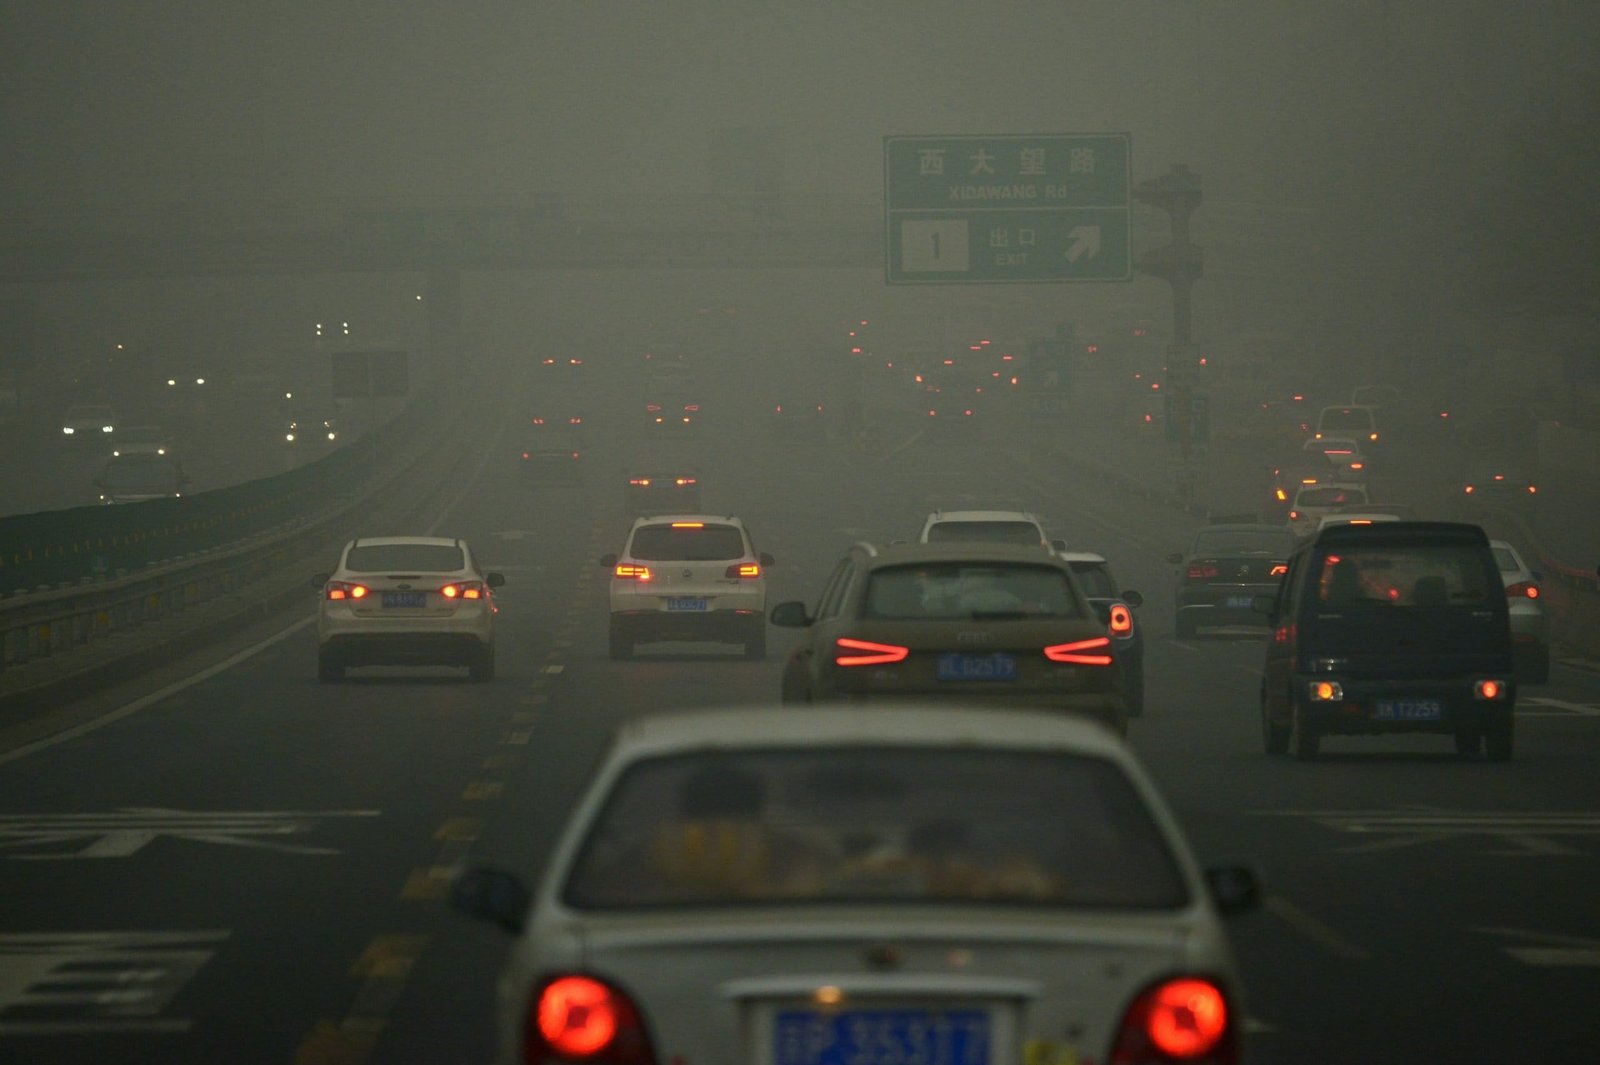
966, 209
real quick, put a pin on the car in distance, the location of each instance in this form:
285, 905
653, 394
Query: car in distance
985, 526
1116, 610
1499, 483
1391, 627
661, 490
1312, 502
141, 440
1530, 625
139, 477
799, 420
688, 577
406, 601
89, 422
1352, 420
1226, 566
746, 885
999, 624
553, 451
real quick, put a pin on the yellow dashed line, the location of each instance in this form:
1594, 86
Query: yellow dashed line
459, 828
498, 761
483, 789
524, 718
427, 884
553, 669
520, 738
332, 1044
533, 700
389, 956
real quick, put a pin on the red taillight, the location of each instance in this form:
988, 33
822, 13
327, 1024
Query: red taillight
464, 590
345, 590
653, 408
873, 654
538, 421
642, 482
1182, 1019
1078, 652
681, 481
743, 569
1121, 620
1522, 589
579, 1018
526, 455
627, 572
691, 406
1202, 570
1279, 569
1294, 515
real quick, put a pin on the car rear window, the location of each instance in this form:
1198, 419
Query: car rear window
989, 532
882, 825
1245, 541
1095, 579
1506, 560
1346, 418
1330, 497
686, 542
405, 558
946, 590
1385, 578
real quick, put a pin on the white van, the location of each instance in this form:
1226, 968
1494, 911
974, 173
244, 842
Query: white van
1351, 419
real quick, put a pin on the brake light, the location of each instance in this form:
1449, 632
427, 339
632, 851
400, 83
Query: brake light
1183, 1019
525, 455
652, 407
345, 590
464, 590
1201, 570
1278, 569
1294, 515
1489, 689
581, 1018
1532, 488
681, 481
691, 406
1076, 652
1469, 489
872, 654
1121, 620
1358, 465
1283, 497
643, 482
574, 421
688, 525
743, 569
538, 421
1522, 589
628, 572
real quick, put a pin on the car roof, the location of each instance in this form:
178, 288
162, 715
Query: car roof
717, 519
756, 727
961, 551
1080, 556
982, 515
385, 541
1345, 533
1253, 526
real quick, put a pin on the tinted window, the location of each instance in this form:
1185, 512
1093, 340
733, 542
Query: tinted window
1379, 578
406, 558
1330, 497
1277, 542
682, 543
934, 590
992, 532
883, 825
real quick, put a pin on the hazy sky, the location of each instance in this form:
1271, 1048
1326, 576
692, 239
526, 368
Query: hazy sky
139, 106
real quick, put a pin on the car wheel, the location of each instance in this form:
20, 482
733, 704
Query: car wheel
755, 641
1499, 737
1274, 737
1303, 739
329, 669
482, 667
621, 641
1184, 625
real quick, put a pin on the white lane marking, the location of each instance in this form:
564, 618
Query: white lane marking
471, 482
125, 832
1555, 950
98, 982
1526, 834
1562, 707
1315, 930
156, 696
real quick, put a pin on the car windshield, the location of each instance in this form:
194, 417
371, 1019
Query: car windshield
1095, 579
138, 473
992, 532
946, 590
405, 558
686, 542
874, 826
1273, 541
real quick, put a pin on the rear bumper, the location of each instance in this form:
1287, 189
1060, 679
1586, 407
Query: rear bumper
1108, 708
1223, 604
405, 648
721, 625
1358, 712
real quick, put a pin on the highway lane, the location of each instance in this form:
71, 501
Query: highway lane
262, 859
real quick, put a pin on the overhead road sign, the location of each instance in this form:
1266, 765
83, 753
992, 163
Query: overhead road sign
988, 209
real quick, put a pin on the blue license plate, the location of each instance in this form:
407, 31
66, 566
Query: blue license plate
1407, 710
881, 1037
955, 666
405, 599
683, 602
1238, 602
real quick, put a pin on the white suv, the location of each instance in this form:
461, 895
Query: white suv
987, 526
688, 577
406, 601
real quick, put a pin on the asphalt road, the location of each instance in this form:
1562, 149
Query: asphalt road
252, 867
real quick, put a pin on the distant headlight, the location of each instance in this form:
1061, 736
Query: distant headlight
69, 430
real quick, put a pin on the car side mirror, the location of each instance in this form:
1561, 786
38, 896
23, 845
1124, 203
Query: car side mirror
767, 560
1235, 889
1176, 558
494, 580
608, 561
790, 615
1133, 598
1266, 605
492, 895
319, 580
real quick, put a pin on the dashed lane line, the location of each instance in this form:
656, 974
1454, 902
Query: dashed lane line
384, 967
1314, 930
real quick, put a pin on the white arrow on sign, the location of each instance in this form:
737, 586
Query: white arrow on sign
1084, 241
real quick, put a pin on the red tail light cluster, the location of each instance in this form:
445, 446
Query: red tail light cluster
1522, 589
1279, 569
463, 590
627, 572
1181, 1019
1121, 621
580, 1018
346, 590
745, 570
1199, 571
871, 654
1091, 652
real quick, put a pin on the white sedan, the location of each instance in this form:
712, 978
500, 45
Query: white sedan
884, 885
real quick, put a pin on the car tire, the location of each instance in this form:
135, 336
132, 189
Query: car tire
482, 668
1469, 741
621, 641
329, 669
1184, 626
1304, 742
1499, 738
755, 641
1274, 737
